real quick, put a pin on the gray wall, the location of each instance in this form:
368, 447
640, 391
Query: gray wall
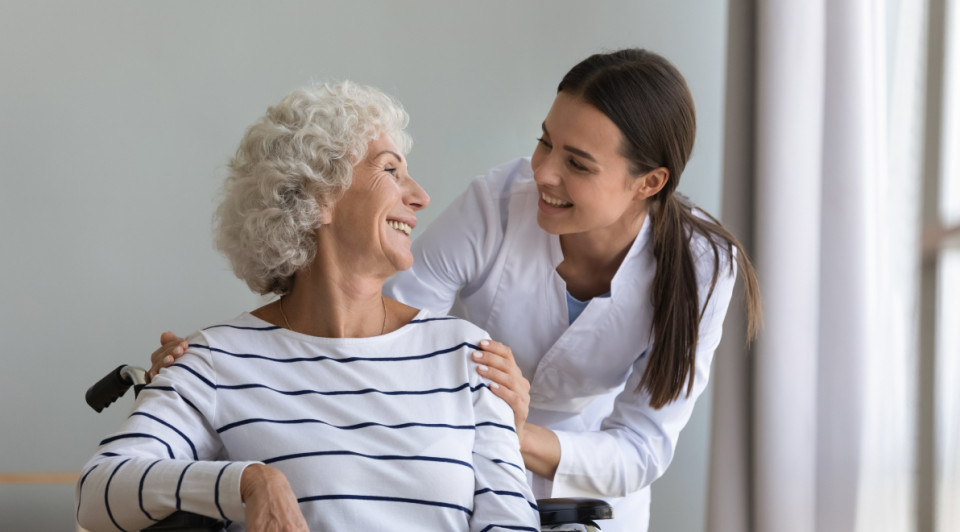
116, 119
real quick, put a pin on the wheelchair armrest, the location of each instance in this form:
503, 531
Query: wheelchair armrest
187, 522
552, 512
573, 510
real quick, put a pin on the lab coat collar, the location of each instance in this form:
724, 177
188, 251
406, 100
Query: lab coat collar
625, 273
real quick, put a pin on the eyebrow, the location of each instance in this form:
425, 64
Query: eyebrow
571, 149
395, 154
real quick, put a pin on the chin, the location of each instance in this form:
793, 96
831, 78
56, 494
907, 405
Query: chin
547, 226
403, 262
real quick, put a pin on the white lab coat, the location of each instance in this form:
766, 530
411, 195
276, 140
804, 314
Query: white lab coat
487, 255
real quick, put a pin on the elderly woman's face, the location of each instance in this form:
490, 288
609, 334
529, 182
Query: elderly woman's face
373, 220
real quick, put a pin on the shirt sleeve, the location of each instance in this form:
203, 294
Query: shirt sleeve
164, 457
636, 442
453, 253
502, 498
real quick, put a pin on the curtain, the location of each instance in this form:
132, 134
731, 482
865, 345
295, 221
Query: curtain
813, 428
948, 334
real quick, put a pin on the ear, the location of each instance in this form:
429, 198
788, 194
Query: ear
325, 216
651, 183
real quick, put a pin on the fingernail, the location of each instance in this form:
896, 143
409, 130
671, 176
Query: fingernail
494, 385
477, 355
481, 367
484, 342
167, 359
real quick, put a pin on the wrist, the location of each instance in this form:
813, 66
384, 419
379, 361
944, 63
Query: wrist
524, 435
540, 448
259, 477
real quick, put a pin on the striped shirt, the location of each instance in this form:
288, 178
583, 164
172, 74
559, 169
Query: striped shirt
394, 432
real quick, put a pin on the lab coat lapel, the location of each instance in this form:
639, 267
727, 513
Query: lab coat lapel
593, 356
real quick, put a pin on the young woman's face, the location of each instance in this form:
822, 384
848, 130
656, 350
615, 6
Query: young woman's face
372, 221
584, 182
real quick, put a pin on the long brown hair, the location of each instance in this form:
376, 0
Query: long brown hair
649, 101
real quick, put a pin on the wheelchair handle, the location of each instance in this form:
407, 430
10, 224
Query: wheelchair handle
112, 386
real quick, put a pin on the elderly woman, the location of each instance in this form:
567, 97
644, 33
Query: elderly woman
333, 407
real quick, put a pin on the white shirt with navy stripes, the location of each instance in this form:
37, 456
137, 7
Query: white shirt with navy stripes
394, 432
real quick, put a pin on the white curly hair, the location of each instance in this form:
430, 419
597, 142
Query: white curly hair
293, 163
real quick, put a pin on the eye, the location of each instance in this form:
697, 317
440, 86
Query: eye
544, 142
391, 170
576, 166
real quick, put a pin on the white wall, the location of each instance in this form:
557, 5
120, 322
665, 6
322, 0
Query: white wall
116, 119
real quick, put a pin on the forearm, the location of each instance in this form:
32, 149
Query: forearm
540, 448
162, 459
135, 492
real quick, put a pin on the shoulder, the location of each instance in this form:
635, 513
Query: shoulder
505, 180
484, 204
501, 179
436, 325
243, 330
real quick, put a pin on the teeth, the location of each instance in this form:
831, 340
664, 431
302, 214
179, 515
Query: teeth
553, 201
400, 226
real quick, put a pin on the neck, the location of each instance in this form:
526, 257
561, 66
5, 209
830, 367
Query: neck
332, 302
591, 259
603, 248
334, 310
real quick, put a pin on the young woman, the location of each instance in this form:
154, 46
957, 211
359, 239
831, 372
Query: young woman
605, 289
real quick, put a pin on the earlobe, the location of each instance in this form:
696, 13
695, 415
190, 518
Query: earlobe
325, 216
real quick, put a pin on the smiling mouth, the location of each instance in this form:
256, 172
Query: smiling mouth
400, 226
549, 200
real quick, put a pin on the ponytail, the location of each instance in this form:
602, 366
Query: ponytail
675, 294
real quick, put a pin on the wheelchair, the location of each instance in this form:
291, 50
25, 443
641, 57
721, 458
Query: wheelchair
556, 515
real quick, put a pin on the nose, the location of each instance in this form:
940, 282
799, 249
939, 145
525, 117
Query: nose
414, 196
544, 171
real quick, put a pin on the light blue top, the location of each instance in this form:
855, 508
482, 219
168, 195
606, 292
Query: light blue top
575, 306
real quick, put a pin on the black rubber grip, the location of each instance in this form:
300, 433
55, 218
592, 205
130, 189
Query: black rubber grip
573, 510
186, 522
108, 389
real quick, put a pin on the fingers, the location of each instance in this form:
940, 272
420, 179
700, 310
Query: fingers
519, 401
496, 363
501, 378
496, 348
172, 348
497, 356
